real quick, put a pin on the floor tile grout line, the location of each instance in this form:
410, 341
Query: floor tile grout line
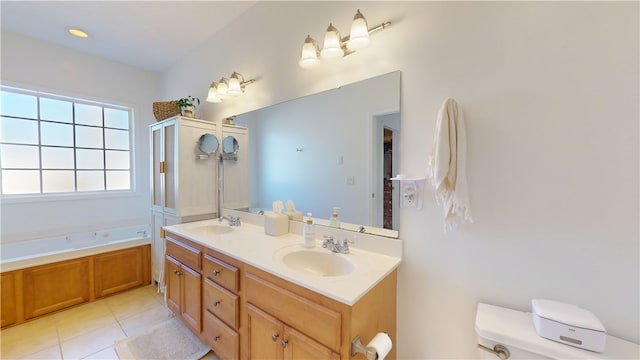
58, 319
59, 340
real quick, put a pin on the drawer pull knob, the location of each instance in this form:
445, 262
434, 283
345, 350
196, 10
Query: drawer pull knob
216, 302
284, 342
216, 338
216, 272
274, 337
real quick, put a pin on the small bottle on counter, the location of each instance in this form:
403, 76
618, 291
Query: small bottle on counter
309, 232
335, 219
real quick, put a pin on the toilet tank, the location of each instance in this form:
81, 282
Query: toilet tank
515, 330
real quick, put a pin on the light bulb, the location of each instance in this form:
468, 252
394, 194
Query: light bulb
77, 32
235, 87
223, 88
309, 57
331, 48
212, 97
359, 36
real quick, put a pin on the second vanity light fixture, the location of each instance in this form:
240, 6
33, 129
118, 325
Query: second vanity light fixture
226, 88
336, 47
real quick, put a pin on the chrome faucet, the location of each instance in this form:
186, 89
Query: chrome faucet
336, 247
233, 220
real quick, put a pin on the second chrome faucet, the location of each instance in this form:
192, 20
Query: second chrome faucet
335, 246
233, 220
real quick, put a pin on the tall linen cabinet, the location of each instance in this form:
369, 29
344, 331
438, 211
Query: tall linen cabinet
184, 181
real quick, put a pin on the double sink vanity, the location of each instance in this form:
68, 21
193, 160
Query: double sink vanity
253, 296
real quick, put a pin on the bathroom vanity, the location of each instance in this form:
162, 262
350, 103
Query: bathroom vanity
252, 296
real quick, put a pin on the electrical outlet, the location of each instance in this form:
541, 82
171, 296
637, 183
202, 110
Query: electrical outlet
351, 180
408, 193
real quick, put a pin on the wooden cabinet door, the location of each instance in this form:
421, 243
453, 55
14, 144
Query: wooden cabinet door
8, 299
265, 335
192, 298
56, 286
299, 346
120, 270
172, 279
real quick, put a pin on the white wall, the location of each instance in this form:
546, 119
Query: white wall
550, 95
42, 66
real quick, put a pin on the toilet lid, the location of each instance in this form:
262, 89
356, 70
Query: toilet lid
515, 329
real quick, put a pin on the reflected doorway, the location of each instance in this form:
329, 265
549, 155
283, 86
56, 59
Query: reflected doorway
385, 201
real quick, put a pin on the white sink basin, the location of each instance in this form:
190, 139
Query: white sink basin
316, 262
213, 229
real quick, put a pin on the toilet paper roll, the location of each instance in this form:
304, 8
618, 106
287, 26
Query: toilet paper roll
381, 344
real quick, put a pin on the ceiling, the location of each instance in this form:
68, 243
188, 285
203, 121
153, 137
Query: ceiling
151, 35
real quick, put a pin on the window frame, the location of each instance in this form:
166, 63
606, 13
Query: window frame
74, 195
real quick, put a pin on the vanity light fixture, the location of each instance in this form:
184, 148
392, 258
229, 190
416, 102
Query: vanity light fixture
359, 35
227, 87
212, 97
223, 88
332, 48
336, 47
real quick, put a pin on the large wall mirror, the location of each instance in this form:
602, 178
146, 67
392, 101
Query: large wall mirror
337, 148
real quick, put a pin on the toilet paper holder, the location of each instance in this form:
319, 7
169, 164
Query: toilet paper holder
358, 347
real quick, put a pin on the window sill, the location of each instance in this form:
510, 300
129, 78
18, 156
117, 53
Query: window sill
35, 198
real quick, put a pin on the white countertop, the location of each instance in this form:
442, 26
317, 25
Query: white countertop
249, 244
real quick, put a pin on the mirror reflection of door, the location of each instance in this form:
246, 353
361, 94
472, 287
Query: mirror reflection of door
384, 196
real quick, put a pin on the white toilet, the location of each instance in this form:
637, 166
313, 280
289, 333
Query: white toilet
514, 331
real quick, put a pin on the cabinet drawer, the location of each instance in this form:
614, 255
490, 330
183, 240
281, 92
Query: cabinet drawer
221, 303
223, 340
222, 273
184, 253
308, 317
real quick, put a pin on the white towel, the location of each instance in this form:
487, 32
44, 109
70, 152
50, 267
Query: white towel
447, 165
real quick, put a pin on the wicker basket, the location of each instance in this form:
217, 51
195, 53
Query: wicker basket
165, 109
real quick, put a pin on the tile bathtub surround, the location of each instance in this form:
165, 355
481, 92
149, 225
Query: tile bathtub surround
87, 331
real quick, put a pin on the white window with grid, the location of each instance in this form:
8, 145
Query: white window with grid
53, 144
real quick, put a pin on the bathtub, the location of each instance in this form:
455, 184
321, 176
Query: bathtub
23, 254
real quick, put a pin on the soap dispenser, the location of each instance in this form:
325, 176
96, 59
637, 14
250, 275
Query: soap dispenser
309, 232
335, 219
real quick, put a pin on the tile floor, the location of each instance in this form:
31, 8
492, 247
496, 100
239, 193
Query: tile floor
87, 331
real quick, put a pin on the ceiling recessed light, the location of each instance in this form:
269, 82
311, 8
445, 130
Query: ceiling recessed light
77, 32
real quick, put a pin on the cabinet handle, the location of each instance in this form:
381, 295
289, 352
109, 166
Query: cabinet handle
216, 272
216, 338
274, 337
178, 272
284, 342
216, 302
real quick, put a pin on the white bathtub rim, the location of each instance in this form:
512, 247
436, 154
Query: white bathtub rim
69, 254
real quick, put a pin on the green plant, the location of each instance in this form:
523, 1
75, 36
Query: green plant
188, 101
